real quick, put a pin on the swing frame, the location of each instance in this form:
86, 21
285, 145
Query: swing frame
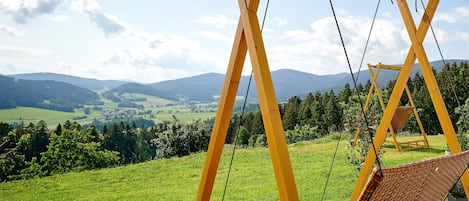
401, 115
416, 51
248, 37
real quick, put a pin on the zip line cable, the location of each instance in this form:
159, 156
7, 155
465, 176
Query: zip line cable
242, 111
356, 88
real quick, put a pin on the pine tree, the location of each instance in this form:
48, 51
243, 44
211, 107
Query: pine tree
290, 118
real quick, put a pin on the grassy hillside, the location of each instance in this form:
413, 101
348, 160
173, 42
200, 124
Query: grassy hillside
252, 176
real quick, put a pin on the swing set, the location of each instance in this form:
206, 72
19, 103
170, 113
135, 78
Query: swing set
381, 184
401, 115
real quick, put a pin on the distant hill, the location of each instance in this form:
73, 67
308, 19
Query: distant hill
207, 87
286, 82
86, 83
45, 94
201, 87
140, 89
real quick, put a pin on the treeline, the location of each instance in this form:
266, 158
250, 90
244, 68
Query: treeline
317, 114
42, 94
32, 150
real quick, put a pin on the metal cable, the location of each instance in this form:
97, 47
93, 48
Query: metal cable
453, 90
368, 39
330, 169
356, 87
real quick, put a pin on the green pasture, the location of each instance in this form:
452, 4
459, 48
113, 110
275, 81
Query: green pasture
252, 176
34, 115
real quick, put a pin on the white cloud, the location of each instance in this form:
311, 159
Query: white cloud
320, 51
159, 55
24, 10
219, 21
463, 36
108, 23
300, 35
280, 21
85, 6
459, 15
60, 18
215, 36
176, 52
21, 51
11, 31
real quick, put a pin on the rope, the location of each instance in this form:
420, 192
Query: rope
242, 112
455, 183
441, 55
330, 169
356, 87
236, 138
368, 39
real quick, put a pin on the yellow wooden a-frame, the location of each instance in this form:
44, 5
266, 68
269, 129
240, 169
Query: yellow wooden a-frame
248, 37
416, 51
401, 115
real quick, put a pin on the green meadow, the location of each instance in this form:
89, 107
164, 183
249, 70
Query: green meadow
252, 176
29, 114
160, 112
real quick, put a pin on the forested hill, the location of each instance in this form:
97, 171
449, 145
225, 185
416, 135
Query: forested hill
141, 89
287, 82
86, 83
42, 94
207, 87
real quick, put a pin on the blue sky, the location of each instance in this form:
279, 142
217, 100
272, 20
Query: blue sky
150, 41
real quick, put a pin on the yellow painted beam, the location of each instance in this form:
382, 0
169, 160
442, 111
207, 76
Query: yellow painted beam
248, 37
269, 106
432, 85
396, 94
225, 108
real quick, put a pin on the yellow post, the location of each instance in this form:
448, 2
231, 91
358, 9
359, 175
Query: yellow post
269, 106
248, 37
417, 117
225, 108
432, 85
395, 95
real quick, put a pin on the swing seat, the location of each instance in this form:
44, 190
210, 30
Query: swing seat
398, 122
401, 117
425, 180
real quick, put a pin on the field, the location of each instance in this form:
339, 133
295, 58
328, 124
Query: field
28, 114
161, 110
252, 176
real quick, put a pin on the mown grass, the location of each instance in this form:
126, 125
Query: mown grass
252, 176
34, 115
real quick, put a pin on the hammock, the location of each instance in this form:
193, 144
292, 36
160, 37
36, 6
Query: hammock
425, 180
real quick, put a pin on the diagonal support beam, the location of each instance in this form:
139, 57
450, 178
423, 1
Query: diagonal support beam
415, 49
225, 108
432, 85
248, 37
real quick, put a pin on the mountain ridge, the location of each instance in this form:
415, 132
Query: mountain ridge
208, 86
87, 83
